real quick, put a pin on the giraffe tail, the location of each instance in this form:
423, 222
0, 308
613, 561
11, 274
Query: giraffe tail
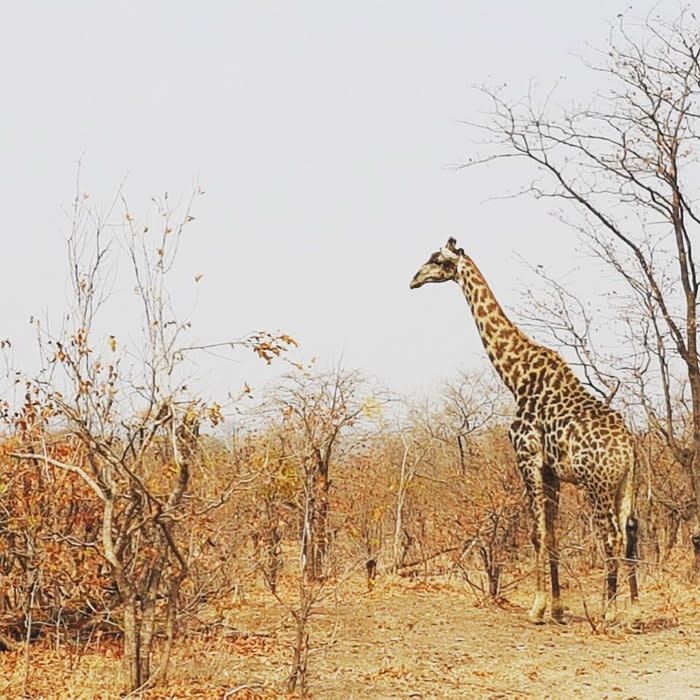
628, 522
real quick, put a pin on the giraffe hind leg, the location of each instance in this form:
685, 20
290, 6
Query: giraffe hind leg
631, 559
631, 529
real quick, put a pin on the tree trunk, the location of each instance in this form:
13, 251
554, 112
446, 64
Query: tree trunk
694, 470
405, 476
170, 618
320, 538
131, 644
145, 640
297, 679
695, 539
315, 523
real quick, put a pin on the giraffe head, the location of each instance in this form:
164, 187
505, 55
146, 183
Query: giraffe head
441, 267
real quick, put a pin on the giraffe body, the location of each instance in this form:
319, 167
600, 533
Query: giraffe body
560, 433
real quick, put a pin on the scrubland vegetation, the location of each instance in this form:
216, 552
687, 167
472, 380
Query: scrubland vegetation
285, 537
335, 539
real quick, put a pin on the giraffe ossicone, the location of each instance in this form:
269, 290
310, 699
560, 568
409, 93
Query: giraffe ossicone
560, 433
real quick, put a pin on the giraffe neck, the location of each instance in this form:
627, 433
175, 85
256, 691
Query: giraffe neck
506, 345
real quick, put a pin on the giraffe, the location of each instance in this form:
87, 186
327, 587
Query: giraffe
560, 433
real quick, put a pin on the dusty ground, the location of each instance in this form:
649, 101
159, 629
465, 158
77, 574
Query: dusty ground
429, 640
432, 645
412, 640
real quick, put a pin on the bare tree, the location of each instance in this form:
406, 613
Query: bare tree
317, 409
628, 166
456, 448
315, 419
467, 404
131, 414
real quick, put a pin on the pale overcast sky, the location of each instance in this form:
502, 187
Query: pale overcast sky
322, 133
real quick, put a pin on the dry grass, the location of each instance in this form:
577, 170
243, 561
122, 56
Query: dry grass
423, 639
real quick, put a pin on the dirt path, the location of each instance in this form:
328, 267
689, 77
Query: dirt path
436, 644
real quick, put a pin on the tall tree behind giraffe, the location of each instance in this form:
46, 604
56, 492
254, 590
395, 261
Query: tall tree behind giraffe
560, 433
628, 167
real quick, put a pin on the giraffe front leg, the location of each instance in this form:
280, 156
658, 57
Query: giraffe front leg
539, 605
526, 441
610, 609
533, 483
607, 527
551, 495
